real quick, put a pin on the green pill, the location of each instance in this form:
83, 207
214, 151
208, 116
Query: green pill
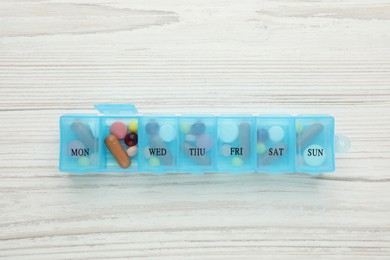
260, 148
154, 161
237, 161
84, 161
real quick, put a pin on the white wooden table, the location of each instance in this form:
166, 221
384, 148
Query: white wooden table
189, 57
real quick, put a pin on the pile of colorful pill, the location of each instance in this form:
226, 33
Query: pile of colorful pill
119, 132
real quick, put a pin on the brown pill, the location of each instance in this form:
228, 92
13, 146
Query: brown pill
117, 151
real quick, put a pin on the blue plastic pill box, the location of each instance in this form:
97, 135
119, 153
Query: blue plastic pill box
275, 144
195, 143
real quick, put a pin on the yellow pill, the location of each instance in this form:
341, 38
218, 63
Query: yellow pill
133, 126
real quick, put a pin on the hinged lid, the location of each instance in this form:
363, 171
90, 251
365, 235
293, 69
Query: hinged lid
117, 109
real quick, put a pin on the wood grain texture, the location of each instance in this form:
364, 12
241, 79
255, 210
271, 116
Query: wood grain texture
189, 57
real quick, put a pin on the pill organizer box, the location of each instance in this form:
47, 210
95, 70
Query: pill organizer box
118, 139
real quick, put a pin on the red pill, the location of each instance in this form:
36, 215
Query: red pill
131, 139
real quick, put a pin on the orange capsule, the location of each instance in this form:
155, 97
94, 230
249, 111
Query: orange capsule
117, 151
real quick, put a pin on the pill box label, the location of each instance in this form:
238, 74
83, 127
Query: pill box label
315, 152
196, 151
79, 152
157, 151
236, 151
275, 151
314, 155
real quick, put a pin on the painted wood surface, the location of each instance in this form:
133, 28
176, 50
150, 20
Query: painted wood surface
194, 57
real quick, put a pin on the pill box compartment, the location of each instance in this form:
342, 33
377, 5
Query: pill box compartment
315, 144
121, 130
158, 143
197, 144
275, 144
235, 149
79, 143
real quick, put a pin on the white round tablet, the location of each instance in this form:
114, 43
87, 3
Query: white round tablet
314, 155
228, 132
167, 133
276, 134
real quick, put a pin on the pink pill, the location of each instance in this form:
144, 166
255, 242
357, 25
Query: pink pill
132, 151
118, 129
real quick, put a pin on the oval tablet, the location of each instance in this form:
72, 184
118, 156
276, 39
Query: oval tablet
132, 151
167, 133
117, 151
198, 128
228, 132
